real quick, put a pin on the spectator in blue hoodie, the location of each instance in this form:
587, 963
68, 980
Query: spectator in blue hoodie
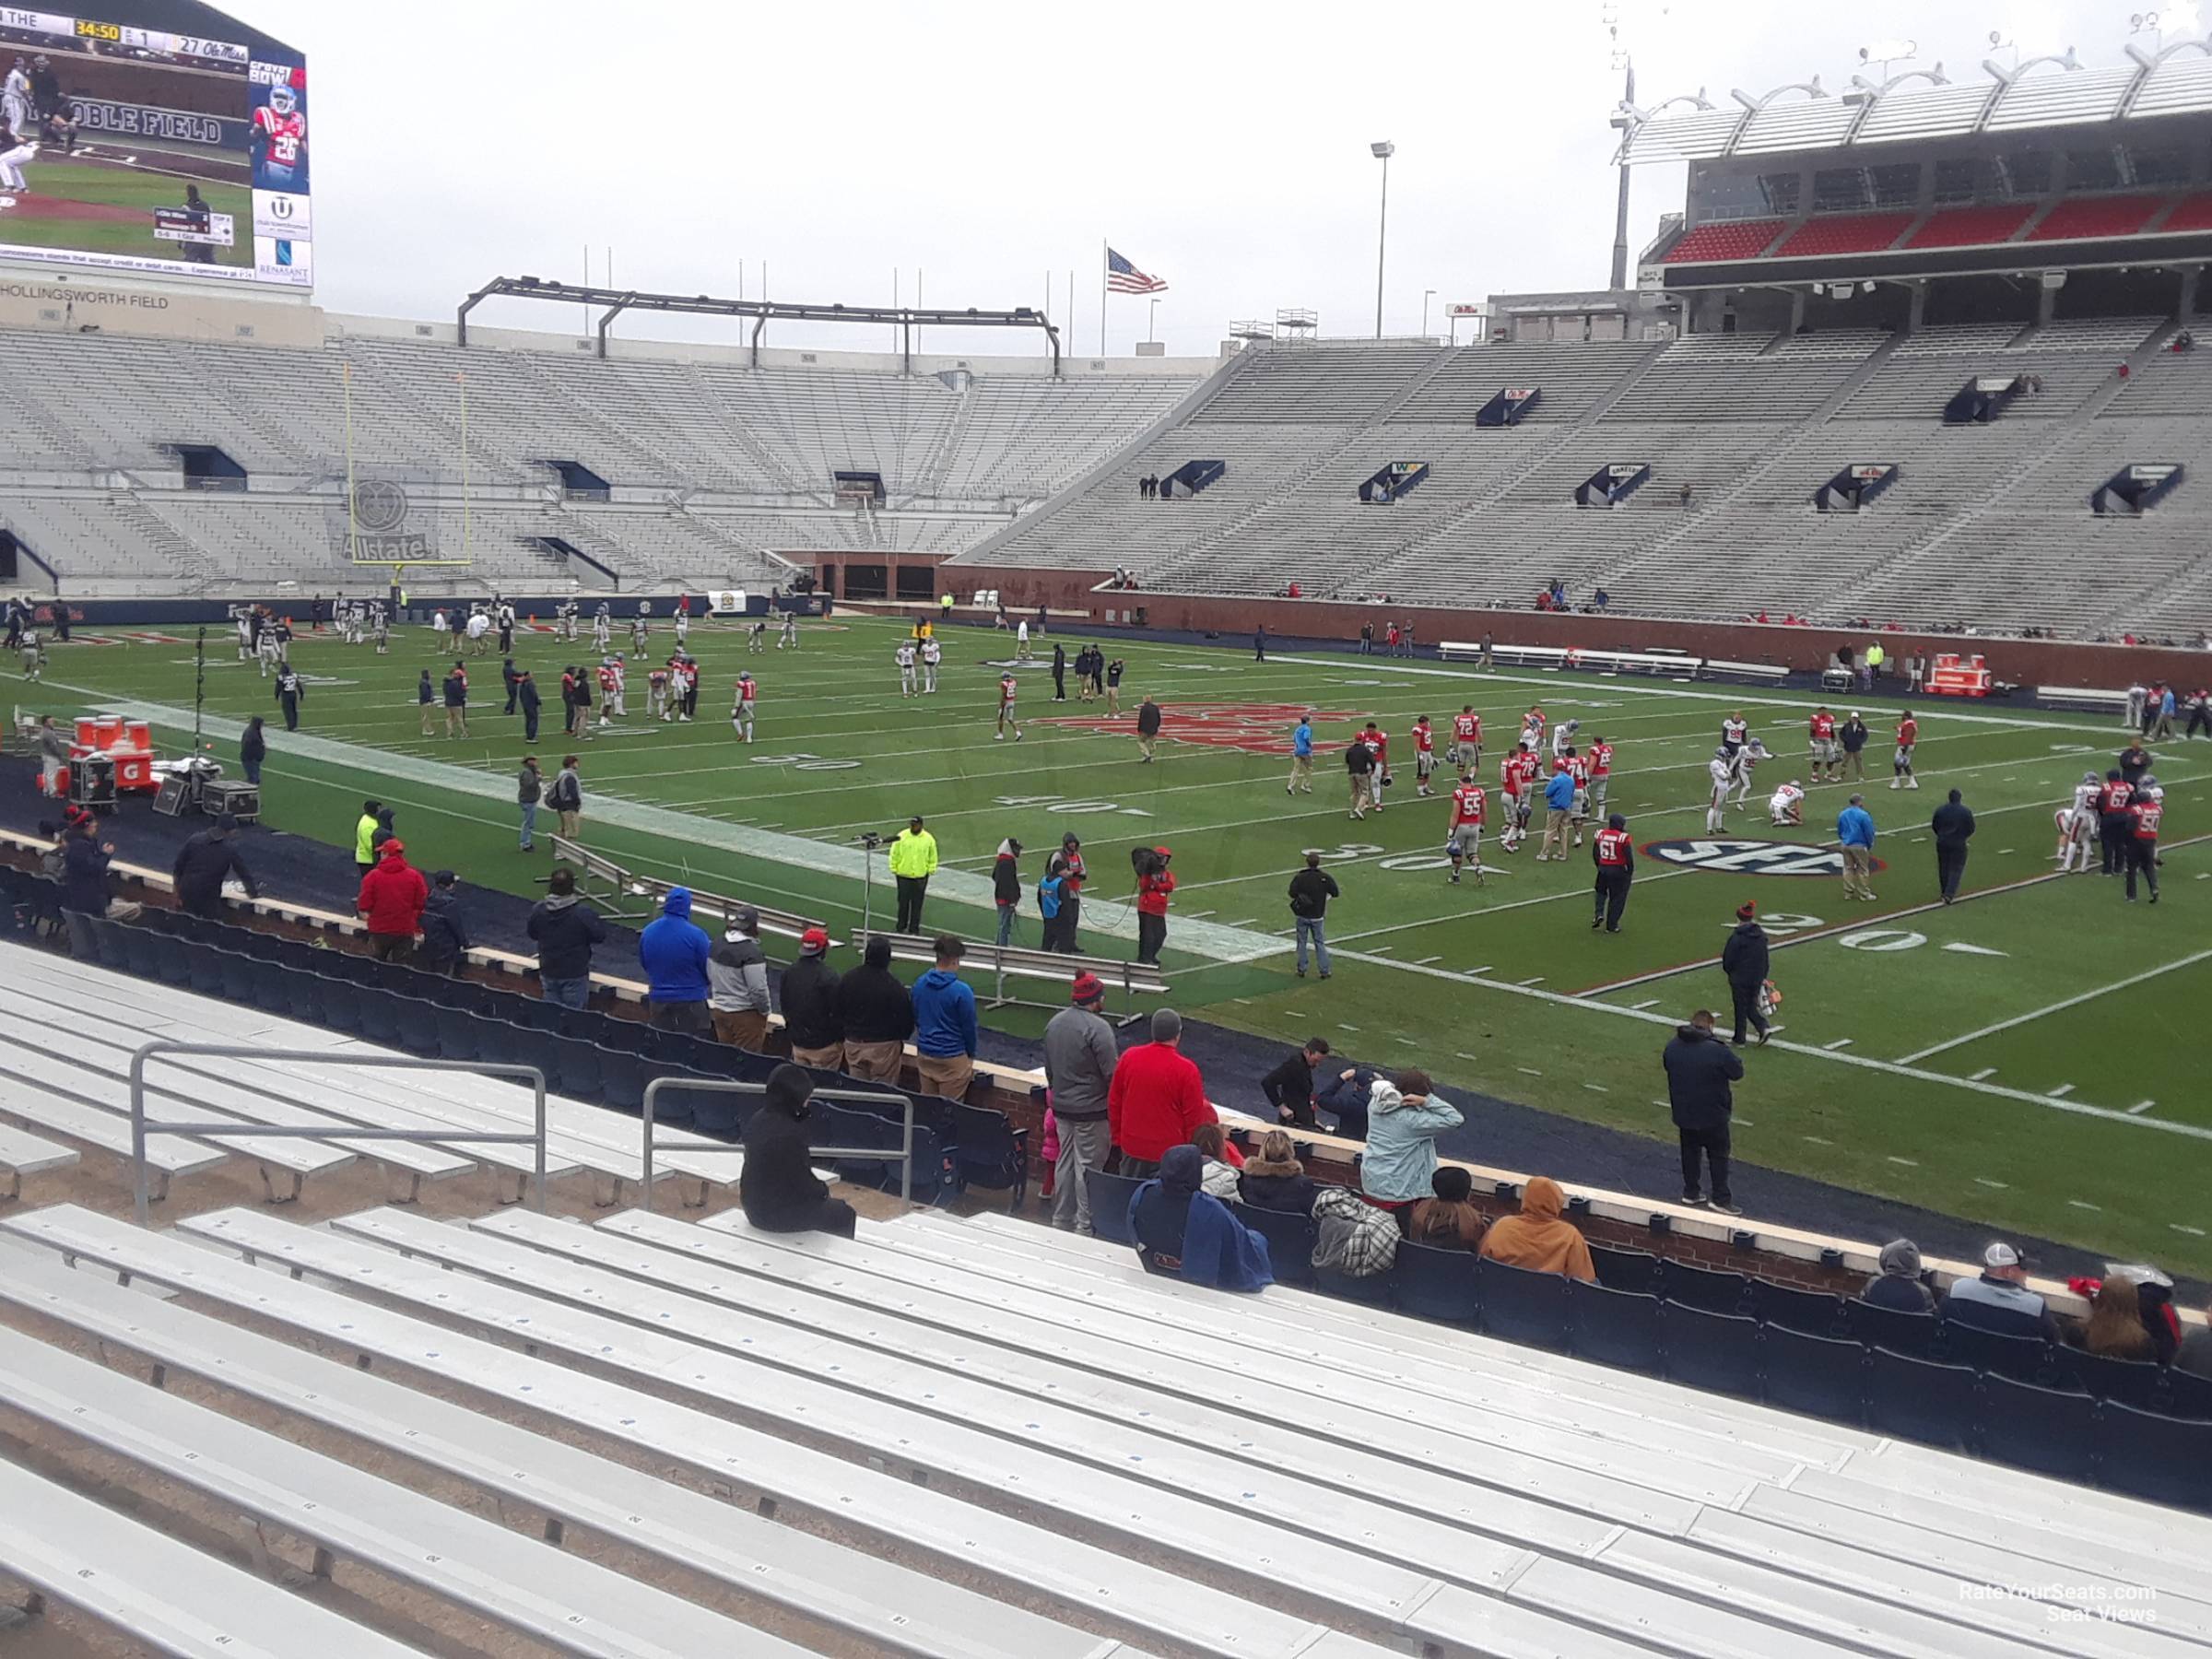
674, 950
944, 1025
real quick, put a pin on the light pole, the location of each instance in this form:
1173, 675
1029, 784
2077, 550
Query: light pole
1381, 151
1152, 320
1426, 295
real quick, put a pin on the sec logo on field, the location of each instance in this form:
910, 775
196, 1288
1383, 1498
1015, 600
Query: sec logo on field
1750, 857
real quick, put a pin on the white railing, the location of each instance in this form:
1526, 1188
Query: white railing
238, 1130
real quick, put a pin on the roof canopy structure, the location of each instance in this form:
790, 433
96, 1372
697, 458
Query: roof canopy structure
2042, 93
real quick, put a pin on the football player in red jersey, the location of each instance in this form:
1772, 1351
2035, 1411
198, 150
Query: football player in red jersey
1518, 783
1827, 765
1614, 853
1900, 764
1577, 766
1601, 775
745, 704
1006, 686
1466, 838
1378, 741
2113, 825
1467, 739
2143, 813
1424, 754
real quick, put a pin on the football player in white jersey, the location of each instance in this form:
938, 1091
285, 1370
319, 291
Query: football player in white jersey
932, 653
1746, 758
1562, 738
1721, 768
1785, 808
904, 657
2076, 824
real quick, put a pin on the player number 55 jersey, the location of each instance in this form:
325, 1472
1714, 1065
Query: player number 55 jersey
1466, 804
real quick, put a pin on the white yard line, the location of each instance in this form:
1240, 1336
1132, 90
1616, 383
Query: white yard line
1858, 1062
2071, 1002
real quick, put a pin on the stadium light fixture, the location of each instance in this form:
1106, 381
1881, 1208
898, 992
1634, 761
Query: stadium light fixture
1426, 295
1382, 150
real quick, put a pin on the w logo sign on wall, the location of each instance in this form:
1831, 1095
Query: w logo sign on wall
1750, 857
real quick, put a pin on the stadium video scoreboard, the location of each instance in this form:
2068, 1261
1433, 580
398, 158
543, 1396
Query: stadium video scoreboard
147, 148
128, 35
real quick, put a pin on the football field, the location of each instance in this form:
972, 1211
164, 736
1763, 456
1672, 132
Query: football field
2021, 1058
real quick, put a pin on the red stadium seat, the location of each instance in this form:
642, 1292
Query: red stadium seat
1965, 226
2096, 215
1845, 233
1741, 239
2194, 213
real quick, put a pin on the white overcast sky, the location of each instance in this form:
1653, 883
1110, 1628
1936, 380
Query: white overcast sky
1221, 145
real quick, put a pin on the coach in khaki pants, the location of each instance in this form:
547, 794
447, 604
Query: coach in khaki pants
1854, 835
944, 1025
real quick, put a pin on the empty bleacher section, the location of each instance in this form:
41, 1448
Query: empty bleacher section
736, 462
1751, 424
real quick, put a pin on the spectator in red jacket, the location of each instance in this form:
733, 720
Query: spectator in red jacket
1155, 1099
391, 900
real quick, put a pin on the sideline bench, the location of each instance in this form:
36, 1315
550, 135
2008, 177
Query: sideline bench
2083, 699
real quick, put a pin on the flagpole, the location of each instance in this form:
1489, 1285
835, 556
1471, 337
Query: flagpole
1101, 299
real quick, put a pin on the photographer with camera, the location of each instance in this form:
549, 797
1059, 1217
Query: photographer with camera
1154, 882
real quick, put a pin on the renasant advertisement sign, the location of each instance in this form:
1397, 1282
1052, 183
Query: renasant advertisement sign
128, 146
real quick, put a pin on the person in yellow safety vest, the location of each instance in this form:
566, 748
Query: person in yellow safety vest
364, 851
913, 861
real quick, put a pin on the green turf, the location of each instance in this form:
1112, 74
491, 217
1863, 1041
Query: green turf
2039, 1128
84, 181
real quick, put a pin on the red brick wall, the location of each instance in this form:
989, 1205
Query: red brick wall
2019, 662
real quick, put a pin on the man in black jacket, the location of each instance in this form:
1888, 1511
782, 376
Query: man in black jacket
1310, 891
1289, 1087
1059, 672
1148, 729
85, 859
202, 863
1699, 1069
511, 679
1744, 960
564, 929
526, 695
1954, 826
878, 1015
444, 931
811, 1017
777, 1185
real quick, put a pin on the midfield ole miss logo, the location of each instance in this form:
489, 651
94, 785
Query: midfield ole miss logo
1750, 857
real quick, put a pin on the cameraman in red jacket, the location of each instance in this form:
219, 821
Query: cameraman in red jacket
391, 901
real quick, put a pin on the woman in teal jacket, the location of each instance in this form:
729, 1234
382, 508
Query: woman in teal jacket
1402, 1122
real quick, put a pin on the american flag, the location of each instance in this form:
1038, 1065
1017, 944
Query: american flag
1125, 278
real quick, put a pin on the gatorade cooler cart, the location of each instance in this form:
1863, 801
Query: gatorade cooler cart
129, 743
1955, 675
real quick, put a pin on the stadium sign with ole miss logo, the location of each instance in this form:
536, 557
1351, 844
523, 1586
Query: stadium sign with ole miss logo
1750, 857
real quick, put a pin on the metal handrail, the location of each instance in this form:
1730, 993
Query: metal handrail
239, 1131
905, 1154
